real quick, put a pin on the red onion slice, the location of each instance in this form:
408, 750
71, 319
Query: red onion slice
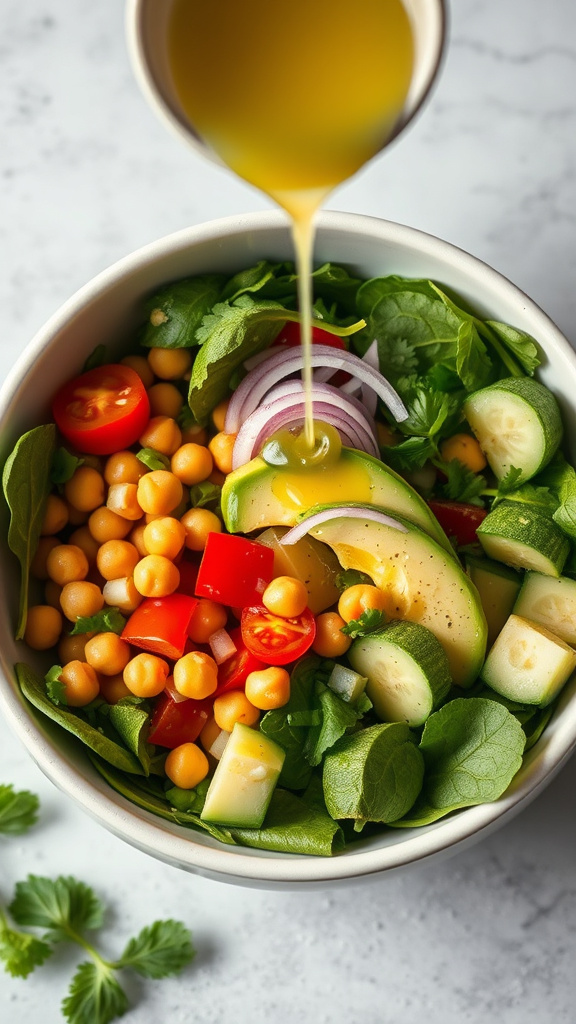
222, 646
262, 378
337, 512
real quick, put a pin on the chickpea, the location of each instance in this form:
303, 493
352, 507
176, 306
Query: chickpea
72, 647
268, 688
219, 414
159, 492
141, 366
123, 500
196, 675
360, 598
52, 593
85, 489
209, 733
67, 563
465, 449
164, 536
146, 675
107, 653
156, 576
38, 567
80, 683
207, 617
75, 517
123, 468
186, 765
170, 363
136, 537
221, 447
232, 707
176, 513
216, 477
81, 600
113, 688
192, 463
116, 558
329, 641
83, 539
104, 524
122, 594
285, 596
162, 434
386, 436
199, 522
43, 627
194, 434
165, 400
55, 516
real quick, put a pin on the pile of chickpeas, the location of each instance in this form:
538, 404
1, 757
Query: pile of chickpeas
126, 529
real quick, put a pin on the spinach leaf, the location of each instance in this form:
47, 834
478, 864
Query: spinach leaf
333, 717
281, 724
130, 717
64, 465
333, 284
255, 279
350, 578
472, 748
109, 620
229, 335
153, 459
26, 484
175, 312
293, 825
521, 345
33, 689
374, 774
97, 357
473, 364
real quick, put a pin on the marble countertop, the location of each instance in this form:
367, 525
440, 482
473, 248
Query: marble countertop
89, 175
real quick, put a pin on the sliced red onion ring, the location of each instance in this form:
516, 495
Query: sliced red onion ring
260, 380
337, 512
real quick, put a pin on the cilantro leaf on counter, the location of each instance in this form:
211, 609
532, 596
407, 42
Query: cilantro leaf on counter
159, 950
20, 952
18, 810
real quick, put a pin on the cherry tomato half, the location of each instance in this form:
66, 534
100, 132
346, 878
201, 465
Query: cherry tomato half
458, 519
289, 337
276, 640
103, 410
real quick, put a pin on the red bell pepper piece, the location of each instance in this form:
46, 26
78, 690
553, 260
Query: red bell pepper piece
458, 519
233, 672
160, 624
234, 571
175, 722
188, 576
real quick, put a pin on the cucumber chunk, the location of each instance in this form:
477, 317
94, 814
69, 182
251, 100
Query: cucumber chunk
407, 669
498, 586
528, 663
524, 537
346, 683
244, 780
551, 603
517, 424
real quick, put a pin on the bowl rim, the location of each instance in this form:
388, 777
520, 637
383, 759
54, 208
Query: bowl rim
231, 863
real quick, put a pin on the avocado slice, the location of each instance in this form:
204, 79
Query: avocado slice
258, 495
421, 581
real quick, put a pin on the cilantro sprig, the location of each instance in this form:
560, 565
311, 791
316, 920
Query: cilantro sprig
370, 621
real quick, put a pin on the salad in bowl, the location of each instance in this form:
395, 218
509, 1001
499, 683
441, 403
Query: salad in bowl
309, 651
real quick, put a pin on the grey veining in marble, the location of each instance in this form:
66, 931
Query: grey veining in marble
87, 175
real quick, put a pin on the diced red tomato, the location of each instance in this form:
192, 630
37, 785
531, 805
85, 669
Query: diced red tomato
276, 640
234, 571
160, 624
458, 519
175, 722
103, 410
233, 672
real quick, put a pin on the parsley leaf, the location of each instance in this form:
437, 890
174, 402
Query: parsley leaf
109, 620
18, 810
94, 996
161, 949
20, 953
55, 688
370, 621
462, 484
410, 454
206, 495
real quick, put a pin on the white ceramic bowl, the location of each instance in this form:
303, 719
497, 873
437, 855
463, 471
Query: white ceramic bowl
107, 310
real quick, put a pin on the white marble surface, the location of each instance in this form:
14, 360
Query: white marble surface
89, 175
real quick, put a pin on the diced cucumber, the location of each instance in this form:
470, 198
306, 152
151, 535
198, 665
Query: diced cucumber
525, 537
347, 683
528, 663
517, 424
244, 780
551, 603
407, 669
498, 586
